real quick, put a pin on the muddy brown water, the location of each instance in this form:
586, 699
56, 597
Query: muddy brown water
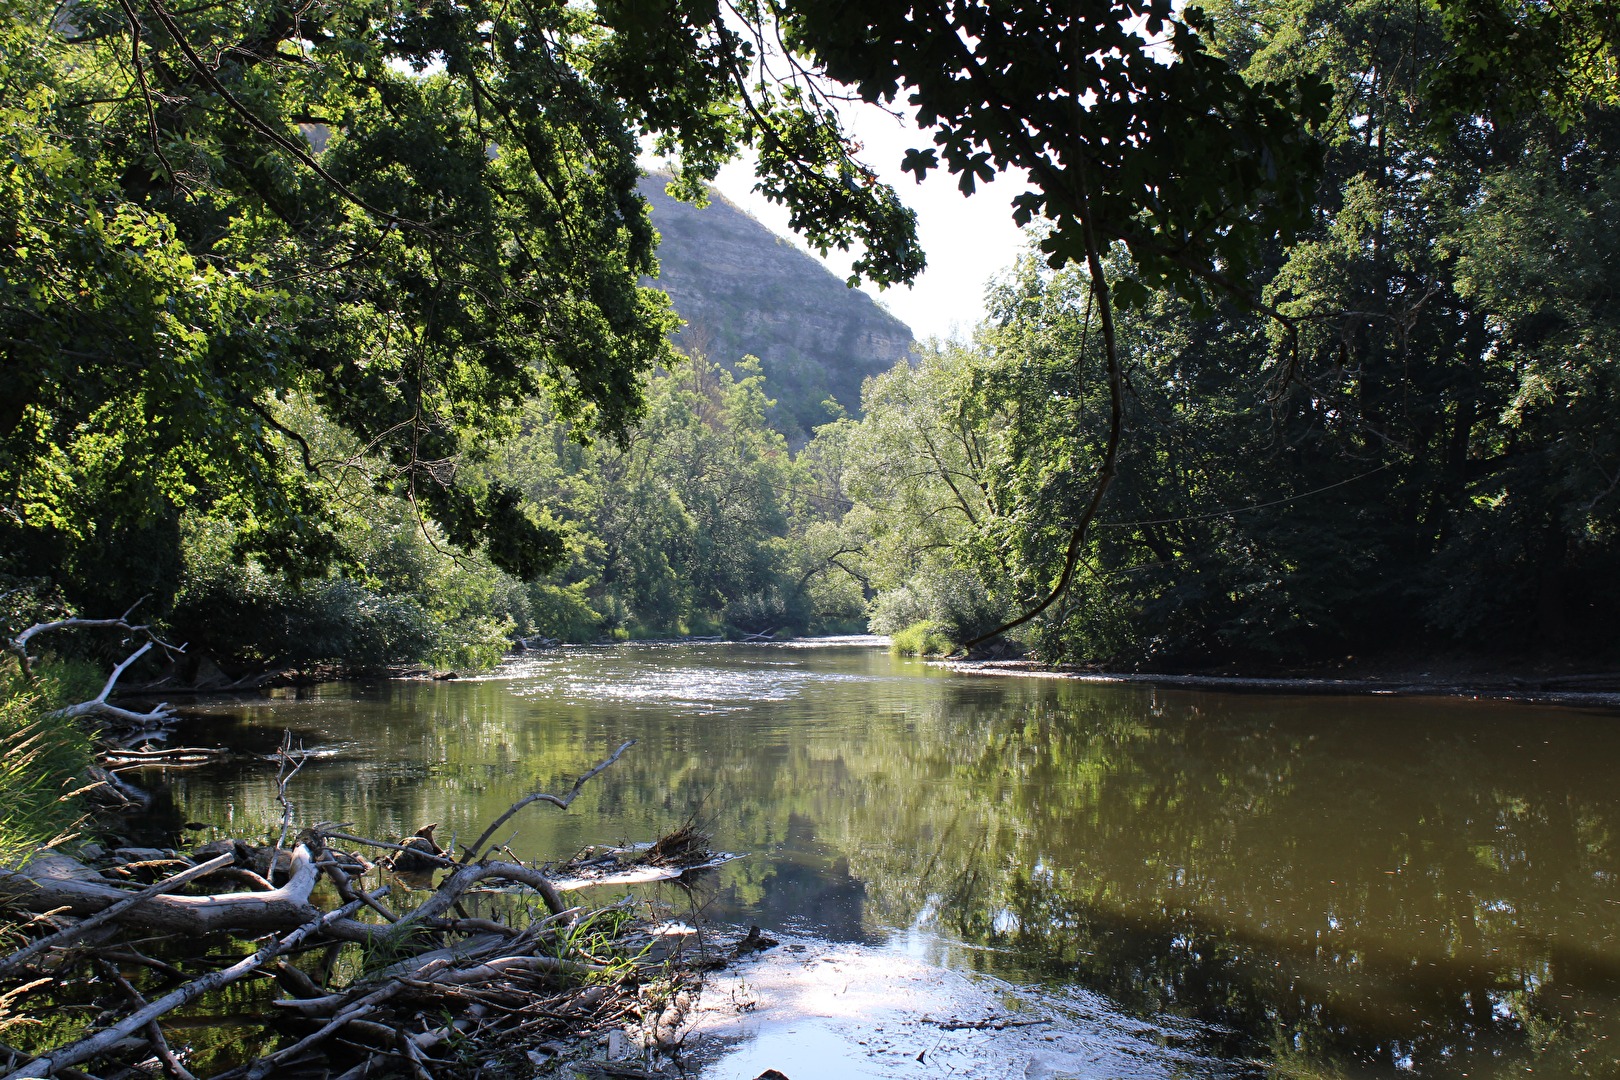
989, 877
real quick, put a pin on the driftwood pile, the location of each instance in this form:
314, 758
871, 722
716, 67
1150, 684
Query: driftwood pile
368, 990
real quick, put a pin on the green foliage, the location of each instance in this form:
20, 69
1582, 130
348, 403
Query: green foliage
691, 527
1413, 452
414, 604
1131, 128
1511, 58
405, 223
921, 639
273, 267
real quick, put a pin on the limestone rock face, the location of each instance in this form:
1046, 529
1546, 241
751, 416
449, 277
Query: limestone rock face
744, 291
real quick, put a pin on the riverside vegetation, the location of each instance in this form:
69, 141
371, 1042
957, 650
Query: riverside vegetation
324, 341
1379, 316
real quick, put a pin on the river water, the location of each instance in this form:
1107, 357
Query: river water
1142, 883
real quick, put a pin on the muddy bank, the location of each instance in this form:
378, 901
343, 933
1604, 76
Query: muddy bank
1600, 690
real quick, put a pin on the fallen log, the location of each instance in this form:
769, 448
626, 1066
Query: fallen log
485, 978
154, 1033
512, 965
26, 955
99, 706
240, 913
101, 1041
121, 755
429, 974
635, 874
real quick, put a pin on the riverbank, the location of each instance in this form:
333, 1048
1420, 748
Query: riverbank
494, 967
1578, 689
1235, 877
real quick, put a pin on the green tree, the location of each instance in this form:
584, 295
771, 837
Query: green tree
682, 528
1511, 58
1409, 450
412, 220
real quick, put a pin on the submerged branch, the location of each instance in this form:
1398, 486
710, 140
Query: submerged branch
563, 802
85, 1049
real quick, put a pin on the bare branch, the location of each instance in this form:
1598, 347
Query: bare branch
85, 1049
477, 846
288, 762
97, 706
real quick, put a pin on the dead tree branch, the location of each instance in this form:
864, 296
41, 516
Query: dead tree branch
563, 802
85, 1049
517, 974
243, 912
98, 705
26, 955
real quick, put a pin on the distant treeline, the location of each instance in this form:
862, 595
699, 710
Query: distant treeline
692, 525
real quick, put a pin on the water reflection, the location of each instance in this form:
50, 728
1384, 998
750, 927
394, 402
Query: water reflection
1362, 887
808, 888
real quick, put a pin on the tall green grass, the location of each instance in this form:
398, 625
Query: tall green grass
44, 761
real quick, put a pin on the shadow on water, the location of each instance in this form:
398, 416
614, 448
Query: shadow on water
1358, 887
808, 888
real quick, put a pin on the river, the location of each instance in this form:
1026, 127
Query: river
993, 877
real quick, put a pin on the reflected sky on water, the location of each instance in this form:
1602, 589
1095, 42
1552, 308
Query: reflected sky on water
1189, 884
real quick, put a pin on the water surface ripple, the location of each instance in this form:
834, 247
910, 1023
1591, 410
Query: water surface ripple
1180, 884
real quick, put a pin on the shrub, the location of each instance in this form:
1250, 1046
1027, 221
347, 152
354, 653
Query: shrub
921, 639
407, 603
956, 600
548, 609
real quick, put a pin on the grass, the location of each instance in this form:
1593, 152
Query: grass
923, 638
43, 759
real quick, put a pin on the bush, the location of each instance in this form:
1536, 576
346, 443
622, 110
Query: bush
759, 611
413, 605
955, 600
547, 609
923, 638
895, 609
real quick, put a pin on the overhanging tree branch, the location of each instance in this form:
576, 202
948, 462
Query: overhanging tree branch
258, 124
1105, 474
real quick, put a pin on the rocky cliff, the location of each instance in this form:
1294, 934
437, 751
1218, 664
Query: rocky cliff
743, 290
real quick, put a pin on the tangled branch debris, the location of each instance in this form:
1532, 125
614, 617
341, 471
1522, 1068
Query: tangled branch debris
422, 985
137, 724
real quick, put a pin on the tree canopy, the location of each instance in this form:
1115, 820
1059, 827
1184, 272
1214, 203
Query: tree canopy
406, 222
1408, 447
271, 259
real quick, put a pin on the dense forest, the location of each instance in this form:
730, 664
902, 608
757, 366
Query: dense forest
1402, 448
334, 355
1405, 447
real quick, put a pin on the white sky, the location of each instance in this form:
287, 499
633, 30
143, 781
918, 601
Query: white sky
967, 239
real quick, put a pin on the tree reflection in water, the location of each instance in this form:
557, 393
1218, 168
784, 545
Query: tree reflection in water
1361, 886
